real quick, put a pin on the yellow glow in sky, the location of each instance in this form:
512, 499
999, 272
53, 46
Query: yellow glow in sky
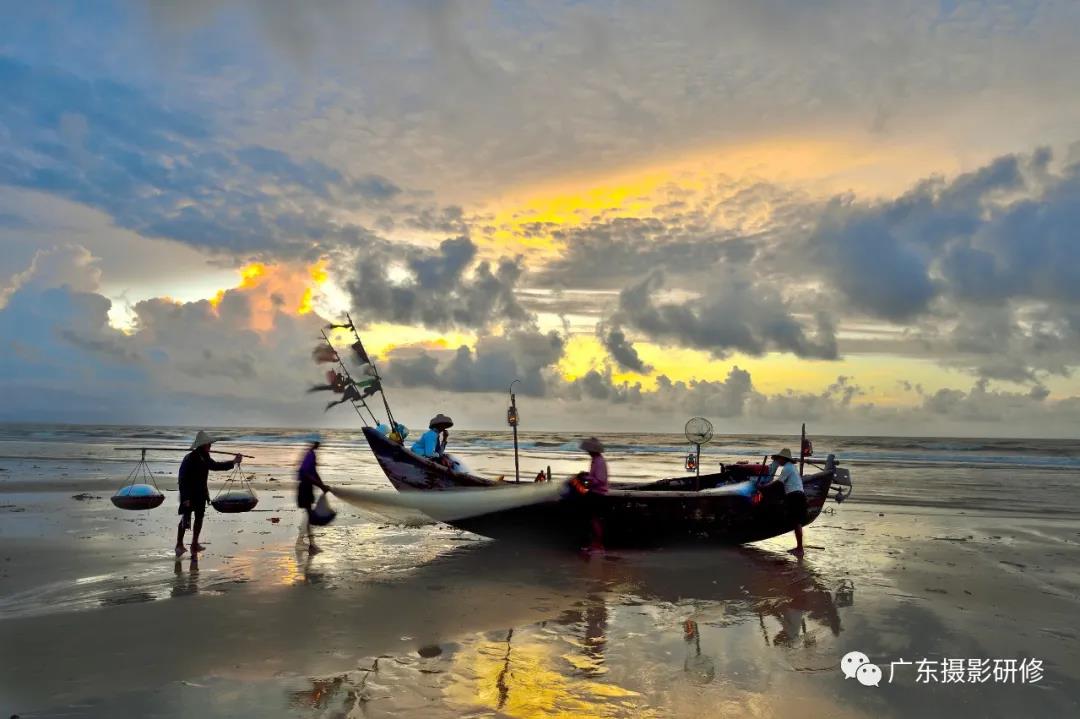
525, 220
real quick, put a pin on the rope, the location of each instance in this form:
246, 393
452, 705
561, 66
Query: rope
236, 475
141, 470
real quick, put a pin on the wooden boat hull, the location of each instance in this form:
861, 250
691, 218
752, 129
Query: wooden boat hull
730, 510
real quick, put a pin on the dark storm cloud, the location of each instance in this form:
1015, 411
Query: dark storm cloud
893, 259
621, 349
490, 367
733, 314
445, 288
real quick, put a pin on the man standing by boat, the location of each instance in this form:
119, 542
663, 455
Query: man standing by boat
194, 494
794, 496
308, 479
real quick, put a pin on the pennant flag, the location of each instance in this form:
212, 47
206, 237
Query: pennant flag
335, 382
361, 354
351, 394
368, 371
372, 388
324, 353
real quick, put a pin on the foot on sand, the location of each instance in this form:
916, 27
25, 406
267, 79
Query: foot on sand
180, 549
798, 551
312, 549
197, 547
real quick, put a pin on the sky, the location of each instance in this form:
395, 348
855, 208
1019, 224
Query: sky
856, 214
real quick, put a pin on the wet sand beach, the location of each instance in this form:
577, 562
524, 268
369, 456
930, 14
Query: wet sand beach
97, 617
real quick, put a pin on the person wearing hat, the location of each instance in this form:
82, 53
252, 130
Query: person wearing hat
596, 482
794, 496
194, 494
432, 444
308, 479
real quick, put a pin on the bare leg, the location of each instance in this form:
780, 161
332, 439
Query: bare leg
311, 536
597, 534
798, 540
195, 546
305, 528
180, 548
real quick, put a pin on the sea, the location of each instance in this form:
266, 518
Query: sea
1007, 475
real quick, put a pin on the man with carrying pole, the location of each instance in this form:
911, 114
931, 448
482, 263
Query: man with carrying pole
194, 494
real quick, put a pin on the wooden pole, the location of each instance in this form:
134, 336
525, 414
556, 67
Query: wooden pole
802, 448
697, 469
512, 418
144, 450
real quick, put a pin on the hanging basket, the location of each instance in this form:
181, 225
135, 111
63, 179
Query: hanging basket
236, 495
141, 491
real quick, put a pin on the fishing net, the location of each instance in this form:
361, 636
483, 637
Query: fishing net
140, 490
236, 495
451, 504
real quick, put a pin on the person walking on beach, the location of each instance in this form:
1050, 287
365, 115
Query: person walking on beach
194, 494
794, 496
596, 483
307, 480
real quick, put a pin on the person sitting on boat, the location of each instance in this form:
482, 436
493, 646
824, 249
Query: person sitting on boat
794, 496
194, 494
432, 444
595, 482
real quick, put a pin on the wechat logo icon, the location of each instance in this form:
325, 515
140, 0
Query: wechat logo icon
857, 665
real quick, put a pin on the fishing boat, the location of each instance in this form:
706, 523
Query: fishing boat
725, 507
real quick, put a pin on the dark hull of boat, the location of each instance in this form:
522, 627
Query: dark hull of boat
666, 512
648, 519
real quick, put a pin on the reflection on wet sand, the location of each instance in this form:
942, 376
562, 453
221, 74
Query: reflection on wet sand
640, 618
185, 583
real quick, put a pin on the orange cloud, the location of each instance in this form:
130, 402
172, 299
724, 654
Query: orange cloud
271, 289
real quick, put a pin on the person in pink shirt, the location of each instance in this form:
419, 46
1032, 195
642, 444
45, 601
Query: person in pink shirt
596, 479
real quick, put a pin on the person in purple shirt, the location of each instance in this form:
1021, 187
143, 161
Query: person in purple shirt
308, 479
596, 479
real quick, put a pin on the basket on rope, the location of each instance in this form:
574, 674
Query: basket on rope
236, 495
140, 491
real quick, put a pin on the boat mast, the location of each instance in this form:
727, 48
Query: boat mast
345, 369
382, 391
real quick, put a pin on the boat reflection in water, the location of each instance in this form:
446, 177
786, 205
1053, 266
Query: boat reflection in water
646, 634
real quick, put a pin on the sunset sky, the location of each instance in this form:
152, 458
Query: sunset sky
861, 215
